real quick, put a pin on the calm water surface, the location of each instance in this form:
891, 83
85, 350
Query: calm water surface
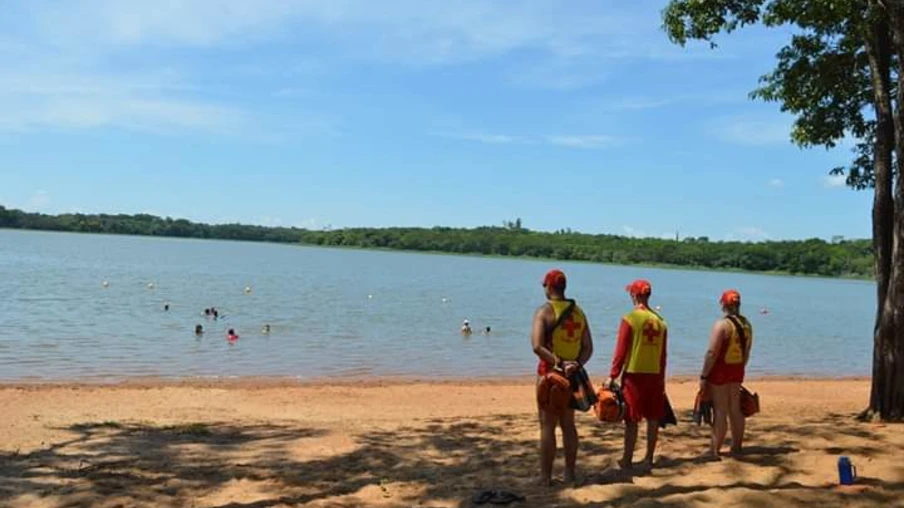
362, 313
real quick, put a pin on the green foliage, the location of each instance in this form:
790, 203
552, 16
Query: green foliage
814, 257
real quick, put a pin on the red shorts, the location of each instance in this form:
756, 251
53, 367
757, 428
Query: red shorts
722, 374
644, 397
543, 367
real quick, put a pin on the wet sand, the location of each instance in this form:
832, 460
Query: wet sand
401, 443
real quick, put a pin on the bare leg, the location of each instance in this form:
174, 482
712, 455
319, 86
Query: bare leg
570, 443
630, 440
735, 417
652, 436
548, 424
720, 418
547, 446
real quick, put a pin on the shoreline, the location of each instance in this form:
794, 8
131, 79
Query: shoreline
662, 266
251, 382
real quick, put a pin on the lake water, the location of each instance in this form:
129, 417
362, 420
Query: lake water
364, 313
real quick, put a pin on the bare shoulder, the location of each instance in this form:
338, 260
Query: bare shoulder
722, 325
543, 311
544, 314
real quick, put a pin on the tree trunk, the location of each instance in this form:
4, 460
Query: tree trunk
879, 50
887, 396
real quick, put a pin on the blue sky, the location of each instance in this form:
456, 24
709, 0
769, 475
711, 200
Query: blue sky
359, 113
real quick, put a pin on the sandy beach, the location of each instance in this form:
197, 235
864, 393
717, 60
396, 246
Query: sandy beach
259, 443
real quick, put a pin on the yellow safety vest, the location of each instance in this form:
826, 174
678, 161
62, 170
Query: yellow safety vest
734, 353
566, 338
648, 342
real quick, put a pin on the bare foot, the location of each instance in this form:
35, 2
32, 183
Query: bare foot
544, 482
736, 452
625, 464
709, 456
573, 480
647, 464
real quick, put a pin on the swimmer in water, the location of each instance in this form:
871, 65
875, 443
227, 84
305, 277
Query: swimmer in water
199, 330
466, 327
216, 313
486, 331
266, 329
166, 307
207, 312
231, 335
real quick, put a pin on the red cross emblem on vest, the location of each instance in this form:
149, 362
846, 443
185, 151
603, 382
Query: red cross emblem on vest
571, 326
651, 331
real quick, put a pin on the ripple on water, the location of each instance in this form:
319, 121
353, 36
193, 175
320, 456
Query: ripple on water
67, 325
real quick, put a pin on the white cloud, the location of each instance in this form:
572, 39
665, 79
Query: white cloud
64, 98
584, 141
312, 223
777, 182
752, 131
562, 75
748, 234
292, 92
430, 32
481, 137
566, 48
593, 141
149, 115
633, 232
97, 57
38, 201
638, 103
834, 181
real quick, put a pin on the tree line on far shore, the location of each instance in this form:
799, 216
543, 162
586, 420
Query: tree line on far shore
841, 258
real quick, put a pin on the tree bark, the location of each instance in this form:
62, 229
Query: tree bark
887, 397
879, 50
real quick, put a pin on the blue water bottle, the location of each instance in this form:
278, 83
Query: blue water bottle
846, 471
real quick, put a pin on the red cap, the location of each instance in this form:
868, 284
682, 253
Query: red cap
639, 287
730, 297
554, 279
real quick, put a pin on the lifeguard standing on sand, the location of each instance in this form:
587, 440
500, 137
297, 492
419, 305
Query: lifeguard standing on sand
723, 371
560, 336
640, 358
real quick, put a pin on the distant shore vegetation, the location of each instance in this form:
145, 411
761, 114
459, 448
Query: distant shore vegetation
836, 258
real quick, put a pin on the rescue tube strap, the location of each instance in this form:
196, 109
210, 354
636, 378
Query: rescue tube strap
743, 336
562, 317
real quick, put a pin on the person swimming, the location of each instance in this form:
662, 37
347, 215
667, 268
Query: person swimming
266, 329
486, 331
199, 330
466, 327
165, 307
231, 335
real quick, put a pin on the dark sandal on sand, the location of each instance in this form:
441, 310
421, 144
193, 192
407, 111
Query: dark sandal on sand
497, 497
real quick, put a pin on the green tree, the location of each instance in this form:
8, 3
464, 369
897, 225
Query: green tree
841, 75
814, 257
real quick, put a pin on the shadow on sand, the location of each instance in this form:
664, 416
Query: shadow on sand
441, 462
